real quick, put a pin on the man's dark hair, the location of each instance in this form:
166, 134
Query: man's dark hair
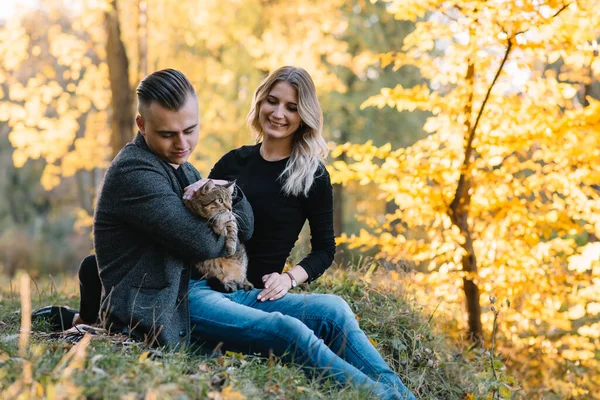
169, 87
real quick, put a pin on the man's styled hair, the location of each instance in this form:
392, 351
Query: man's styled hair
169, 87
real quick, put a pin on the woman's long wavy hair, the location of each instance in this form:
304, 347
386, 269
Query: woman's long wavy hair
309, 149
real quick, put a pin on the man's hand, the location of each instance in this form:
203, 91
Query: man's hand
276, 286
191, 190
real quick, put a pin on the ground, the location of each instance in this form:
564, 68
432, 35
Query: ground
427, 362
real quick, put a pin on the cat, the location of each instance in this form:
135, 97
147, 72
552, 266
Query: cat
214, 203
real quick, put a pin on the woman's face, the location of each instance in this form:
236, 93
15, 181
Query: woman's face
278, 115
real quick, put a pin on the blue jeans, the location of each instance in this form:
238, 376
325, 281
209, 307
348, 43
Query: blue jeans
317, 331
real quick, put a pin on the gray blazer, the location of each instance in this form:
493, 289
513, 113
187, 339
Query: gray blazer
146, 241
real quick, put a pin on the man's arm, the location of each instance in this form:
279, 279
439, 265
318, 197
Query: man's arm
141, 195
241, 207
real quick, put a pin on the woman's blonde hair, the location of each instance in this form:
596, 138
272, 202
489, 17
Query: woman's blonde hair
309, 149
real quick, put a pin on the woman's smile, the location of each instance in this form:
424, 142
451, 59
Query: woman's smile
277, 124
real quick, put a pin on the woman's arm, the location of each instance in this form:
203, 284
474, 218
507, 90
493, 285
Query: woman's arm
319, 210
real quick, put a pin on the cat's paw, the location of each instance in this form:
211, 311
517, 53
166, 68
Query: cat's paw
231, 227
220, 230
230, 247
247, 285
230, 286
220, 286
216, 284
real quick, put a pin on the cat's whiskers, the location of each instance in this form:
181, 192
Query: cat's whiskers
240, 221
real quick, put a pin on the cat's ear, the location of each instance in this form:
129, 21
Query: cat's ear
230, 185
207, 187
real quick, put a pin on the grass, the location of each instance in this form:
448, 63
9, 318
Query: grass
430, 365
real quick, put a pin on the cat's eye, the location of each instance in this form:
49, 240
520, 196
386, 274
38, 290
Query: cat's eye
220, 200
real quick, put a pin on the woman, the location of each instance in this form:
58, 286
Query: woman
285, 181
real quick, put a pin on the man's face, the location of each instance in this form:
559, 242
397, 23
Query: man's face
171, 135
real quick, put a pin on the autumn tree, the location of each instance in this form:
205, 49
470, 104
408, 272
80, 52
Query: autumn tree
56, 104
501, 196
122, 111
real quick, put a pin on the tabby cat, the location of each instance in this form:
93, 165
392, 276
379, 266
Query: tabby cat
214, 203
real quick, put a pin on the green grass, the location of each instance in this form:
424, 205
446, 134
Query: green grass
426, 361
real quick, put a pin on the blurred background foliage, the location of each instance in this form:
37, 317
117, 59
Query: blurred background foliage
467, 137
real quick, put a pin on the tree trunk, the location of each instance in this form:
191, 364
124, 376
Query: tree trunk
459, 215
118, 70
459, 208
142, 36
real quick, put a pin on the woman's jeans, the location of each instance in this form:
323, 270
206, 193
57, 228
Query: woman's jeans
317, 331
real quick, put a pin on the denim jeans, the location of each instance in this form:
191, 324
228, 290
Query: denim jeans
317, 331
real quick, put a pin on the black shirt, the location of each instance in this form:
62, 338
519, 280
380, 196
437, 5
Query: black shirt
278, 219
183, 180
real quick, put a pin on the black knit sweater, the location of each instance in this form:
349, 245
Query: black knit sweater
278, 219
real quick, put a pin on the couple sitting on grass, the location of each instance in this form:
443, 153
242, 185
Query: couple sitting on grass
143, 280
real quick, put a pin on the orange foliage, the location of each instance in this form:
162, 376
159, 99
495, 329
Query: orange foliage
534, 175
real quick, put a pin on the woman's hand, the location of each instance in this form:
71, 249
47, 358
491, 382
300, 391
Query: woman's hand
191, 190
276, 286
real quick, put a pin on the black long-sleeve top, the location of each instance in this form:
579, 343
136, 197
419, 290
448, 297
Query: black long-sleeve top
278, 219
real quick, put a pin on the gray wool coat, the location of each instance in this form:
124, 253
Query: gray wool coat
146, 241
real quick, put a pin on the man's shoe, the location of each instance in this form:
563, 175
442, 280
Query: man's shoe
60, 317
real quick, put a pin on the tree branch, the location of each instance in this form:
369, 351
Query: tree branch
563, 8
469, 148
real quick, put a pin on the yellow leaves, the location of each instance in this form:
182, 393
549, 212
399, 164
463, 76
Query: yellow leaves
533, 173
315, 27
83, 221
568, 91
593, 308
228, 393
17, 92
495, 160
68, 49
94, 86
578, 355
19, 158
143, 356
560, 323
592, 331
588, 258
417, 97
411, 10
576, 312
14, 43
26, 141
50, 177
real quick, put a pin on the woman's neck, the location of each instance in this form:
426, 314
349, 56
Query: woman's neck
275, 150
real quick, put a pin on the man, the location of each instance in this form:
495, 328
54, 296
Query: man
146, 241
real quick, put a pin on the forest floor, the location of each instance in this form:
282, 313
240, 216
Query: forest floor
431, 364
